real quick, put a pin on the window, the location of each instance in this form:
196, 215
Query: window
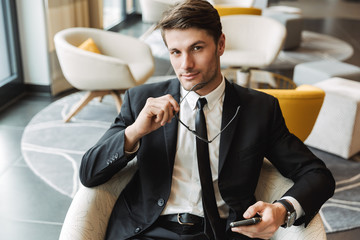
117, 11
11, 80
4, 54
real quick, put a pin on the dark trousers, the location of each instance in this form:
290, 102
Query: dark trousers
160, 233
161, 230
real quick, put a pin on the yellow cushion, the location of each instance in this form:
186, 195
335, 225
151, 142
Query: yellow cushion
224, 10
89, 45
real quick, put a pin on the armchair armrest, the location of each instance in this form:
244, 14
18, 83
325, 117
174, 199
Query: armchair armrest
90, 210
88, 215
271, 186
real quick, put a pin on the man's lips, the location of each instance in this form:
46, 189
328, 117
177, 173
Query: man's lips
189, 75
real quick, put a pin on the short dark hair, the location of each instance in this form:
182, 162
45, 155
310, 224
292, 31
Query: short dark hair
198, 14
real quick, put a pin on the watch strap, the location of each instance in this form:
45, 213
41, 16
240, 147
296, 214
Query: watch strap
289, 210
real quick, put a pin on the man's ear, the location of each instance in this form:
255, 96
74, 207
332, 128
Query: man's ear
221, 44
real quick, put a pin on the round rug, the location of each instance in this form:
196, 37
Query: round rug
53, 149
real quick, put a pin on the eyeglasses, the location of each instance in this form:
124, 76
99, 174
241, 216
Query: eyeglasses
193, 88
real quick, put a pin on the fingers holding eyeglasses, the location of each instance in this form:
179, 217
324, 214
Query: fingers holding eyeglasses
156, 113
162, 109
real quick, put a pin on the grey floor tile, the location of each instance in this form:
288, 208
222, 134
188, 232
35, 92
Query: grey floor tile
20, 162
10, 151
31, 230
25, 197
136, 30
135, 27
353, 234
19, 114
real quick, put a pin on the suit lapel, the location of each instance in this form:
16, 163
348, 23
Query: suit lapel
170, 129
230, 106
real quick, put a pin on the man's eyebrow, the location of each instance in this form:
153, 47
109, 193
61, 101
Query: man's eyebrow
173, 49
191, 46
198, 42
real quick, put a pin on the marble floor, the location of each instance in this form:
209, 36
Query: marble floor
32, 210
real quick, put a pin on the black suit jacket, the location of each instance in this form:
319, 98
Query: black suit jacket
258, 131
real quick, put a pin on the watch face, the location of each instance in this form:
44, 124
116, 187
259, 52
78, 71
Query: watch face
291, 218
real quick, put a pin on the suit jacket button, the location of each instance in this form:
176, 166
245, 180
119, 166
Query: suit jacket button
137, 230
161, 202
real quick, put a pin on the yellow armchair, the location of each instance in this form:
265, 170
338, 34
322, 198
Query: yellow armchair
300, 107
235, 7
224, 10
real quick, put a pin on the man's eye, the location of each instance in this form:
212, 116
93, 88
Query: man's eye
175, 52
197, 48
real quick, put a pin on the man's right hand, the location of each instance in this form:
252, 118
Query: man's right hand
155, 114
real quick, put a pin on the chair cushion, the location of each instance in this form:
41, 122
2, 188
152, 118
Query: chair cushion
224, 10
89, 45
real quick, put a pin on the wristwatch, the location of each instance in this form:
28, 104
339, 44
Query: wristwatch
290, 213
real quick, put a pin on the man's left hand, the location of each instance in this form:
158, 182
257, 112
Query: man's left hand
273, 216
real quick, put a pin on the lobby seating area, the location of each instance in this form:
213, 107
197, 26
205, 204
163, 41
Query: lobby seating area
321, 106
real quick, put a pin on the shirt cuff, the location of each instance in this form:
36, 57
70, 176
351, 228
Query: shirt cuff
134, 150
299, 210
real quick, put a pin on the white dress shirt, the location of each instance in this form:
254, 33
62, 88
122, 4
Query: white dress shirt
185, 193
185, 196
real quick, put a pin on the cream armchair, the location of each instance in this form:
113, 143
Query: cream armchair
91, 207
124, 62
252, 41
152, 10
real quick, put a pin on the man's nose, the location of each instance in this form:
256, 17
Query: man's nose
187, 61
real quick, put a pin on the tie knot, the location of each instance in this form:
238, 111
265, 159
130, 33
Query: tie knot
201, 103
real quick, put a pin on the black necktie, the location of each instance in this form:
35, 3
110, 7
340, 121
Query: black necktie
213, 227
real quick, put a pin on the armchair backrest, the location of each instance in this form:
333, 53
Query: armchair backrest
115, 68
258, 38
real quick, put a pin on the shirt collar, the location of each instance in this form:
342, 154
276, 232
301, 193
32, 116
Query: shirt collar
212, 98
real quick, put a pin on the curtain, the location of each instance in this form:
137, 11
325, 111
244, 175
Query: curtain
62, 14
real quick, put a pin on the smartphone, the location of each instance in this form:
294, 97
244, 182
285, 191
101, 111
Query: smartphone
246, 222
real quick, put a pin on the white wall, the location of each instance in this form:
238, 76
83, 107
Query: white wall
33, 41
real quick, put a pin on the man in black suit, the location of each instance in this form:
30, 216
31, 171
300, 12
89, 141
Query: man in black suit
165, 198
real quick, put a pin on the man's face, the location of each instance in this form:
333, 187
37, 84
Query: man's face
195, 58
